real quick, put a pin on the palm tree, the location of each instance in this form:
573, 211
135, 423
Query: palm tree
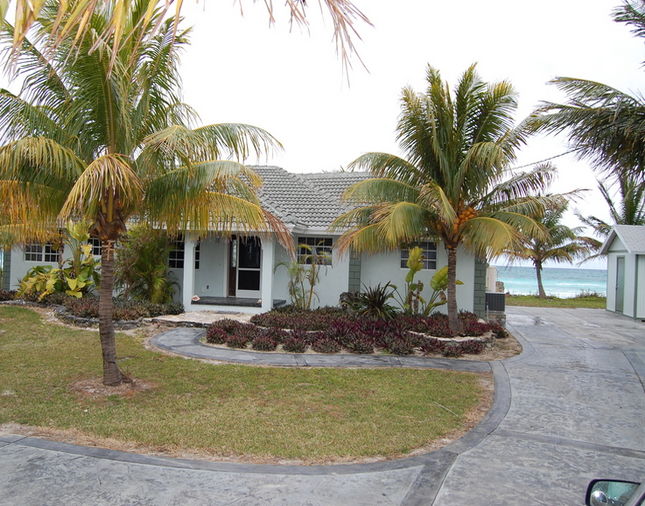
451, 185
560, 244
73, 19
103, 136
604, 125
627, 209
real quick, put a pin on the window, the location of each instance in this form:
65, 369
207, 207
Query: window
34, 253
197, 255
319, 248
95, 242
51, 253
429, 254
42, 253
176, 255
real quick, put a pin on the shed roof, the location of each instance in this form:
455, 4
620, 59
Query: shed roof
632, 237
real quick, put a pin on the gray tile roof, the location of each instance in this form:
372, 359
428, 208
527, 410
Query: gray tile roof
632, 237
305, 200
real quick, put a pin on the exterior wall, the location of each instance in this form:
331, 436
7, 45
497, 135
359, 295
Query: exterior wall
20, 266
210, 278
384, 267
334, 279
640, 286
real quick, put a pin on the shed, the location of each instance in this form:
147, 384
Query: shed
625, 250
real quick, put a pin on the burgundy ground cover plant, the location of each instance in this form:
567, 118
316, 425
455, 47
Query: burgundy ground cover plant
331, 330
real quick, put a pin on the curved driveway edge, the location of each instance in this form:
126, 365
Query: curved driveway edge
187, 342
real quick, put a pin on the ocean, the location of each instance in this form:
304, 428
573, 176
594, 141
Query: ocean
558, 282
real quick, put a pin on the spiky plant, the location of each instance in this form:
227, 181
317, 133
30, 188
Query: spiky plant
101, 134
453, 183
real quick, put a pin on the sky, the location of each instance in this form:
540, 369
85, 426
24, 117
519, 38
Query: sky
291, 81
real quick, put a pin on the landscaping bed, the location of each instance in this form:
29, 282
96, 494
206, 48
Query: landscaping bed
84, 312
332, 330
194, 409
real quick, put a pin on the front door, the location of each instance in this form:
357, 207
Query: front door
249, 255
620, 284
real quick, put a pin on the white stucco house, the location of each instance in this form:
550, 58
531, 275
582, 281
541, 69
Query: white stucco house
625, 250
243, 273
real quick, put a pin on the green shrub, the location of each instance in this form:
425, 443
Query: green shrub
141, 268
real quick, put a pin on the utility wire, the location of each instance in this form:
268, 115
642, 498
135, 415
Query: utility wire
545, 160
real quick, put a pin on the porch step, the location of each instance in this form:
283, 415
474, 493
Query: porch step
236, 301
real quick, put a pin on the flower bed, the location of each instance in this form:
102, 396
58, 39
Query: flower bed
331, 330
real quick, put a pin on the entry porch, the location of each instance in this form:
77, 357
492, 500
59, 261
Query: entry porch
228, 274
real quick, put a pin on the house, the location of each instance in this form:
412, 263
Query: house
625, 250
246, 272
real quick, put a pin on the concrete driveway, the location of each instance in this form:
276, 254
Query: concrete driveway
569, 409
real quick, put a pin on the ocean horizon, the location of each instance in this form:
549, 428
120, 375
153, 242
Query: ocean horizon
557, 281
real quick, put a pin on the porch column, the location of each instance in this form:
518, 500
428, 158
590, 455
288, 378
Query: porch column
266, 273
188, 287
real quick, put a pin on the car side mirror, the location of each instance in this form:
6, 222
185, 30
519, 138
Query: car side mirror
609, 492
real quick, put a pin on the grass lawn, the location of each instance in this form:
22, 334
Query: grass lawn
590, 301
225, 410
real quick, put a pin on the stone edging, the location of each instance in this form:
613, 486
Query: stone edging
65, 316
187, 342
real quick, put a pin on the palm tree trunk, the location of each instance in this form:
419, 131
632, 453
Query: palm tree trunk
538, 273
453, 319
111, 373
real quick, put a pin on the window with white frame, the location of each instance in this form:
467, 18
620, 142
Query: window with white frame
429, 254
35, 252
95, 242
176, 254
315, 248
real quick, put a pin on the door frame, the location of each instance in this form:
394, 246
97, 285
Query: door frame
233, 290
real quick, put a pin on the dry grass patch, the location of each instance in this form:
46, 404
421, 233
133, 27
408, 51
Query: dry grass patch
226, 411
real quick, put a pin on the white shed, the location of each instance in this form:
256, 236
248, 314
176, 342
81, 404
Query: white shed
625, 250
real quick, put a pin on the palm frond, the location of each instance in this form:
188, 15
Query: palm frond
107, 188
212, 142
380, 190
489, 236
